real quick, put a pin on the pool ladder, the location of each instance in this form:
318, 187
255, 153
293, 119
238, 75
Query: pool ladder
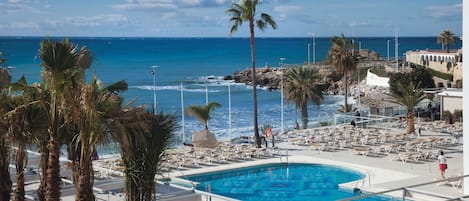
286, 156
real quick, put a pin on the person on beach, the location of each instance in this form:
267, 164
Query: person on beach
442, 164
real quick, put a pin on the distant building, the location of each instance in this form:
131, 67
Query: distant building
438, 60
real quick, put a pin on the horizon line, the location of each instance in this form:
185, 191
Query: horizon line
244, 37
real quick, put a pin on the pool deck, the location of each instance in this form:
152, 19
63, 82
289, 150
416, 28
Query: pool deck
382, 172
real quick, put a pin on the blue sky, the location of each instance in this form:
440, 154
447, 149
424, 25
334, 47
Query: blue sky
207, 18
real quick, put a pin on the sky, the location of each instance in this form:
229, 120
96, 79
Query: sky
207, 18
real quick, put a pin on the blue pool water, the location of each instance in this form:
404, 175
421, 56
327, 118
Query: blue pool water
292, 182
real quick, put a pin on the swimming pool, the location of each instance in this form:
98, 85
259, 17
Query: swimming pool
295, 182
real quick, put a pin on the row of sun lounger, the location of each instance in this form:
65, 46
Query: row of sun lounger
371, 142
222, 154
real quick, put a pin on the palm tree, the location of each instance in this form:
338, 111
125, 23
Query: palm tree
63, 68
446, 38
157, 142
94, 108
22, 118
409, 96
202, 112
143, 138
245, 11
342, 56
5, 183
128, 130
344, 109
300, 88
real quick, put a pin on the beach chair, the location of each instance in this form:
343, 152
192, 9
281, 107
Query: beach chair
453, 181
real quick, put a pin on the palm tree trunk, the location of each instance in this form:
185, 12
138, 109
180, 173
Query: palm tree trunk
410, 122
5, 183
254, 83
53, 170
20, 158
346, 92
41, 191
84, 186
304, 115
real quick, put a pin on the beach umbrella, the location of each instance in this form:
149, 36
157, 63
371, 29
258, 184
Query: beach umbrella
204, 139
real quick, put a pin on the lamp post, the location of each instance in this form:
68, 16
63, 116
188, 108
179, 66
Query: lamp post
388, 48
313, 40
309, 54
153, 72
396, 51
282, 63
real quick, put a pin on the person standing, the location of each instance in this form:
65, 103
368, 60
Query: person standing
442, 164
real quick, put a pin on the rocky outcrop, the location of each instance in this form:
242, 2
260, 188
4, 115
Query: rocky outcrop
266, 77
368, 55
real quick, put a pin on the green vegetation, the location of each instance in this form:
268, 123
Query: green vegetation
408, 95
245, 11
202, 112
349, 108
300, 88
446, 38
445, 76
68, 110
420, 75
343, 57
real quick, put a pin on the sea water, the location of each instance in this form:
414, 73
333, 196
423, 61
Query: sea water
198, 65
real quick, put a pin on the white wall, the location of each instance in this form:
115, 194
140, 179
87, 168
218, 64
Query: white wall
375, 80
465, 105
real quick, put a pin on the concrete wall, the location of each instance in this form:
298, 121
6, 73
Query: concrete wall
375, 80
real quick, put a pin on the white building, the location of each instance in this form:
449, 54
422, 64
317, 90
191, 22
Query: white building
438, 60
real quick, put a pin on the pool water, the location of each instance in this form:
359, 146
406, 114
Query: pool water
295, 182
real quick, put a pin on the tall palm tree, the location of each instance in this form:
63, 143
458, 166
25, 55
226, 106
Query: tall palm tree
25, 119
409, 96
342, 56
300, 88
94, 108
446, 38
63, 69
202, 112
245, 11
5, 183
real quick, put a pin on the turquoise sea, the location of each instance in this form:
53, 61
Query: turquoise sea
200, 64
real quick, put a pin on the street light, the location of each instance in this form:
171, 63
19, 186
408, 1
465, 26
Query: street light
153, 72
282, 63
313, 39
388, 48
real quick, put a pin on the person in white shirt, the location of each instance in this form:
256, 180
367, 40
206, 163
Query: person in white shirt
442, 164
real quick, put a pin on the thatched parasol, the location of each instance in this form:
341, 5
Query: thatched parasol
204, 139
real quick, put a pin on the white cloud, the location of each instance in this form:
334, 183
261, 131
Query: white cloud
358, 24
445, 12
94, 21
170, 4
20, 25
287, 11
144, 5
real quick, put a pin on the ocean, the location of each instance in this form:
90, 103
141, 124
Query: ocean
199, 64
